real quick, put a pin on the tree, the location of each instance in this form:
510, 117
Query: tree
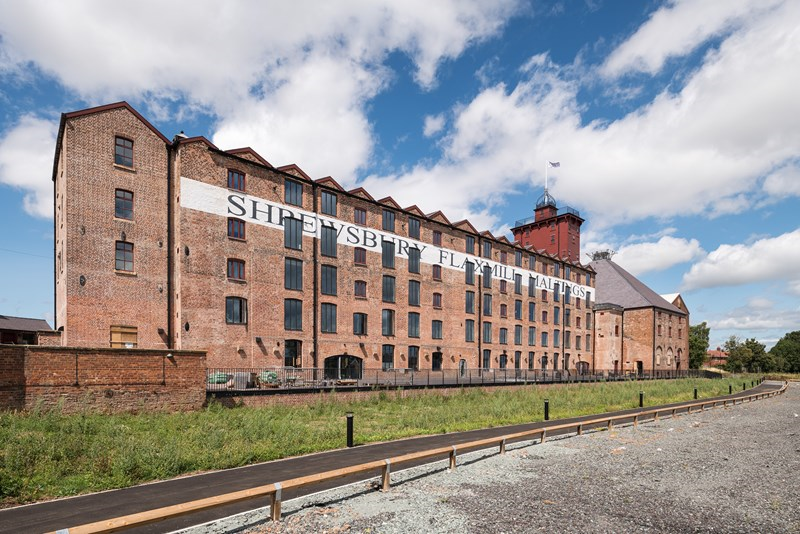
698, 344
750, 356
787, 352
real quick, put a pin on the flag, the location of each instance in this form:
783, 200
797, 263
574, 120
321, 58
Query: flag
554, 163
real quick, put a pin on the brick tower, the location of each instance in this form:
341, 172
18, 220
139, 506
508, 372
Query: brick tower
556, 231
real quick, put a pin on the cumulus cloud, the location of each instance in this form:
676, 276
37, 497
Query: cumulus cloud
26, 162
745, 319
784, 181
640, 258
433, 125
774, 258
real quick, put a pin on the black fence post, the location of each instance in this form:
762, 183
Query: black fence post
744, 386
641, 399
730, 389
695, 393
349, 416
546, 410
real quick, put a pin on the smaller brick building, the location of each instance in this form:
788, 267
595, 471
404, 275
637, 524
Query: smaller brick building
21, 330
636, 329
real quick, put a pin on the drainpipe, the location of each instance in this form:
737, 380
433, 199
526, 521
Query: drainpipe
654, 340
479, 322
170, 244
315, 343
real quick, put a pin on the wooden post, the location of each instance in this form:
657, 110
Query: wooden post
544, 436
453, 458
610, 425
635, 421
580, 429
503, 446
655, 416
387, 473
673, 412
276, 503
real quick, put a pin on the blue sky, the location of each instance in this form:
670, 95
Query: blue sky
675, 122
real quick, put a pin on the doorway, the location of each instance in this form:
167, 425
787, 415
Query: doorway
343, 367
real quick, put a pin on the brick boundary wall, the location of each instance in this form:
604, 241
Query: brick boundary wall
101, 380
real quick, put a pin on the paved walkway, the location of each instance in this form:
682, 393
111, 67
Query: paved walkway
64, 513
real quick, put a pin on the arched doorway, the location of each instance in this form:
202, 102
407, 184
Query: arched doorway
582, 368
343, 366
462, 367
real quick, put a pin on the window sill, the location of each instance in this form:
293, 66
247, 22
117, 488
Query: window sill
125, 273
361, 297
123, 219
124, 168
237, 280
240, 239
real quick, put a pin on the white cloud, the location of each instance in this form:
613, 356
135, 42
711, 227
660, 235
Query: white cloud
747, 319
676, 29
775, 258
642, 258
784, 181
26, 163
433, 125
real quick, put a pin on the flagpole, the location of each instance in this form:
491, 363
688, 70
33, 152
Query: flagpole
546, 165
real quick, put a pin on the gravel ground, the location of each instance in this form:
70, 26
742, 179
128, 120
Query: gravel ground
723, 470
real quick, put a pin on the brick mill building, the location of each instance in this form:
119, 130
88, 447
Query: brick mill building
637, 330
178, 244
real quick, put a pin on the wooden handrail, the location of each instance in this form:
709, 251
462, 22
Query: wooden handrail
275, 490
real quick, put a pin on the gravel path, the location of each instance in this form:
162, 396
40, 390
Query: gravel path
723, 470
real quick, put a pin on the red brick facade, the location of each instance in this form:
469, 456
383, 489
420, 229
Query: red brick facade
176, 293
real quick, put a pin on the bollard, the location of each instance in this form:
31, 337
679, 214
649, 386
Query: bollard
641, 399
546, 410
752, 383
730, 389
349, 416
744, 386
695, 393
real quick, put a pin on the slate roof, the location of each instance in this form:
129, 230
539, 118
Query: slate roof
617, 286
23, 324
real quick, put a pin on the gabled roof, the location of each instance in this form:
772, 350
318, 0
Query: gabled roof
504, 239
615, 285
294, 169
487, 233
414, 209
23, 324
330, 182
361, 192
389, 201
466, 226
438, 216
247, 151
197, 139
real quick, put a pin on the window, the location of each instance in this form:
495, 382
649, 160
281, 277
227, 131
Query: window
588, 298
578, 321
387, 322
413, 227
567, 272
413, 358
436, 361
387, 254
544, 316
360, 256
487, 332
360, 289
588, 343
503, 361
388, 288
437, 300
329, 206
659, 330
531, 360
360, 324
544, 295
123, 204
437, 237
567, 339
669, 331
469, 330
329, 275
360, 216
532, 312
292, 355
413, 324
387, 357
293, 233
531, 335
556, 338
518, 334
437, 272
556, 291
413, 293
531, 287
469, 302
470, 245
578, 342
557, 269
503, 257
503, 286
487, 358
588, 279
567, 294
567, 317
503, 310
504, 336
293, 314
487, 249
680, 333
487, 276
293, 274
235, 180
388, 220
518, 284
588, 321
328, 238
125, 337
235, 228
123, 151
556, 315
469, 273
293, 192
235, 310
487, 304
123, 258
518, 310
518, 258
436, 329
328, 317
413, 260
544, 339
236, 269
531, 262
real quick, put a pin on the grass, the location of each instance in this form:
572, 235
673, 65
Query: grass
47, 454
